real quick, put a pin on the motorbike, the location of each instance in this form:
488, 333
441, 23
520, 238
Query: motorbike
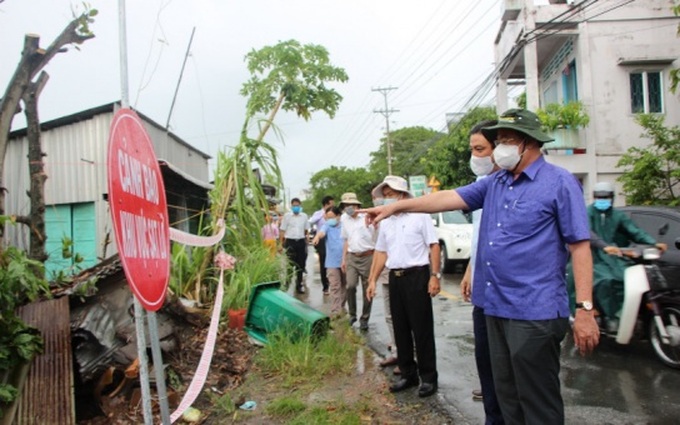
651, 305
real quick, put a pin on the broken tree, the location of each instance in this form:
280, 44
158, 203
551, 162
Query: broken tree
33, 60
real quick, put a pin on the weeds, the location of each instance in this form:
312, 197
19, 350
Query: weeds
309, 359
286, 407
223, 404
295, 412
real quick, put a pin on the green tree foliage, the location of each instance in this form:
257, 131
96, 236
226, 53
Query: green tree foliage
652, 173
294, 74
522, 100
449, 158
335, 181
407, 145
288, 76
18, 341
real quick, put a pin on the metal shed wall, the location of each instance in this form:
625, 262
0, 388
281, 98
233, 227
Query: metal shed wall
76, 168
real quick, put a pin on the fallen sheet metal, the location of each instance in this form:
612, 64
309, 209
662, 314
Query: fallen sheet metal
47, 396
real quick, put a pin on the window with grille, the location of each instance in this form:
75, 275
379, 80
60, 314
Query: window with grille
646, 92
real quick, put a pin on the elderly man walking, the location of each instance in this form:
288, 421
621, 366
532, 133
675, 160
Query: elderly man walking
408, 246
357, 256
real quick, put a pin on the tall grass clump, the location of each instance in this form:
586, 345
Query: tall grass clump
309, 358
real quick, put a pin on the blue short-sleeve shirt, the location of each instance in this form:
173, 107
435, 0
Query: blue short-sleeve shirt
334, 245
524, 232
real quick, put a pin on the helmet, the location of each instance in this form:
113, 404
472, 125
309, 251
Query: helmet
603, 190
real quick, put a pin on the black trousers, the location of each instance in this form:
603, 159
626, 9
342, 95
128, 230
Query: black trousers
525, 358
483, 360
321, 250
413, 321
296, 250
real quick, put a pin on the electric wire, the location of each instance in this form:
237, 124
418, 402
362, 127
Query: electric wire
486, 86
428, 54
142, 84
397, 66
398, 62
354, 144
438, 60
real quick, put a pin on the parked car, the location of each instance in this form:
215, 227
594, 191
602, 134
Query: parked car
454, 232
663, 224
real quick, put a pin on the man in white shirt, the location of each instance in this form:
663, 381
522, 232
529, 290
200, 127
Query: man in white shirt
408, 246
357, 256
293, 235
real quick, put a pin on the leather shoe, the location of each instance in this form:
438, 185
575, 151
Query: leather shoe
427, 389
390, 361
403, 384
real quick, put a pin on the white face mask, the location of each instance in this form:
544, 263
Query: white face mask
481, 165
507, 156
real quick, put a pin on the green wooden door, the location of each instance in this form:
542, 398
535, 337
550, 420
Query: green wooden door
77, 223
84, 233
57, 226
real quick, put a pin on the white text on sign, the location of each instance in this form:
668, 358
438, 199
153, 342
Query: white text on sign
136, 178
141, 237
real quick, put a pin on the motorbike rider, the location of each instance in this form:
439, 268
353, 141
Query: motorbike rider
611, 230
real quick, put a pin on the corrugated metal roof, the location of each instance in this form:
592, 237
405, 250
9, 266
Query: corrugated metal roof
89, 113
47, 396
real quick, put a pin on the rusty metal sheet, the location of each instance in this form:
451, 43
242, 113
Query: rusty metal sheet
47, 396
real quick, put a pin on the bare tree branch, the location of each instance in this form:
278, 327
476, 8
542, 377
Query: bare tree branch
33, 59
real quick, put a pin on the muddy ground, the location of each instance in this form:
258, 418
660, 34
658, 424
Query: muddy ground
234, 377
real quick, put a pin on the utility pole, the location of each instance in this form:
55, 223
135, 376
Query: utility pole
386, 113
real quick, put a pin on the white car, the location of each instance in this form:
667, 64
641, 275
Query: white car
454, 232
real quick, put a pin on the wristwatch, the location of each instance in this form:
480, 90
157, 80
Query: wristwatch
437, 275
586, 305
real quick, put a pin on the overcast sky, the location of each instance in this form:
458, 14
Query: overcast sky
435, 51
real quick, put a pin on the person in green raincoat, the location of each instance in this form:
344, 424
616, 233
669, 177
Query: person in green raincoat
610, 230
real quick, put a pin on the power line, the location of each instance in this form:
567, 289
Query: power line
433, 62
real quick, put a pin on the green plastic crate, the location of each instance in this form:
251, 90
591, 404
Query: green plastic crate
271, 309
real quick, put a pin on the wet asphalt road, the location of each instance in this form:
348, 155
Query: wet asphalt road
615, 385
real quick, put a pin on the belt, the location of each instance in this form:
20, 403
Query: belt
363, 254
295, 240
404, 272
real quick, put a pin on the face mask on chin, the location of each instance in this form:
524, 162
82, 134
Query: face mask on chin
507, 156
481, 165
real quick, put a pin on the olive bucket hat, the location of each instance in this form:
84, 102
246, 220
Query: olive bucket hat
521, 120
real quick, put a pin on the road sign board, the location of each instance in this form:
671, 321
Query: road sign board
417, 185
138, 209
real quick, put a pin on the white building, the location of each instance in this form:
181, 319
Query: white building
612, 55
76, 186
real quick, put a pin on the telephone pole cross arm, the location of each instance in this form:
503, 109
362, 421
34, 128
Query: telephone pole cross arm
386, 113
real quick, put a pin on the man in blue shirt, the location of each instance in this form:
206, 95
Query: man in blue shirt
534, 218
